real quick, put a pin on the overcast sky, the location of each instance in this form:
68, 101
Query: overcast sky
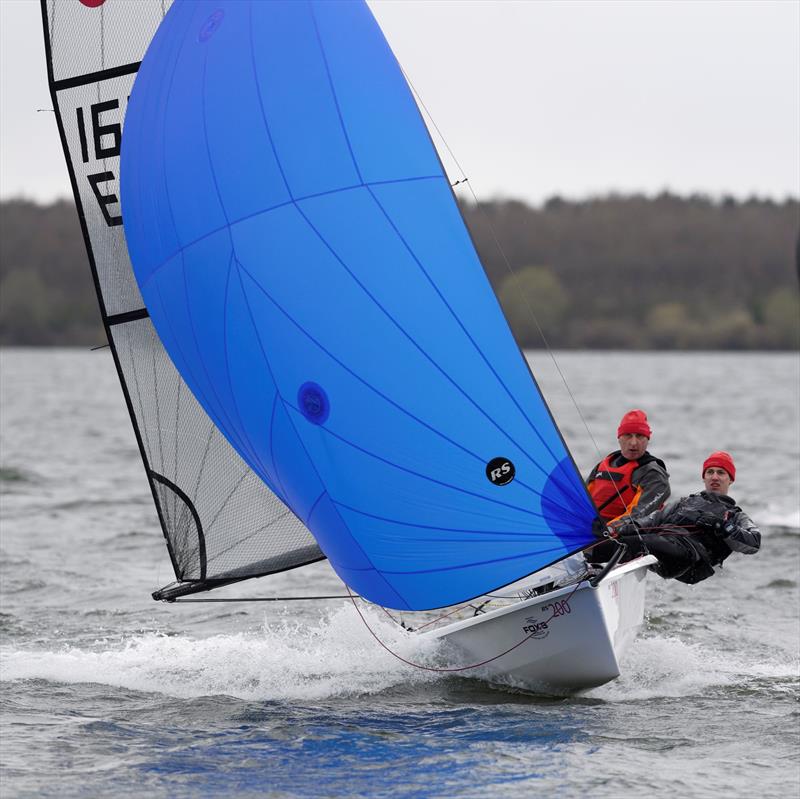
538, 98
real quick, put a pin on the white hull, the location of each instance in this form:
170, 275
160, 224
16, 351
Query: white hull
578, 634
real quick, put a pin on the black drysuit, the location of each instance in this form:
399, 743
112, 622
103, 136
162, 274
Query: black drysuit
689, 537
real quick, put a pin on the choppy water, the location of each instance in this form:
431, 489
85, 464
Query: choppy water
106, 692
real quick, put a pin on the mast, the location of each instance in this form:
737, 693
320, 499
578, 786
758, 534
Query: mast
220, 522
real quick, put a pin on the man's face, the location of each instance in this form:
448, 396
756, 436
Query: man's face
633, 445
717, 480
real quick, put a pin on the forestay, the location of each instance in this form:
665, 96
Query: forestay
306, 266
220, 520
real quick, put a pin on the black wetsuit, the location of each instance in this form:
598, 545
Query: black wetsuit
688, 538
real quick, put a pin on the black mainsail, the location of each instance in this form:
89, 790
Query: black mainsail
221, 523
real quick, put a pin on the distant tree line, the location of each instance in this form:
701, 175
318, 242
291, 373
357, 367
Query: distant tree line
648, 273
46, 291
628, 272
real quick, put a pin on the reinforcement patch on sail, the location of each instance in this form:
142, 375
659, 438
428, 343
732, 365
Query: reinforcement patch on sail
220, 520
305, 264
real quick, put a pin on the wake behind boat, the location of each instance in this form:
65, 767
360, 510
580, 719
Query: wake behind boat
313, 358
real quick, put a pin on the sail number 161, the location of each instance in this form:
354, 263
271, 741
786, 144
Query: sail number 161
105, 143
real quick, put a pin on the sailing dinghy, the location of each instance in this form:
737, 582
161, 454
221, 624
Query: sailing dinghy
312, 356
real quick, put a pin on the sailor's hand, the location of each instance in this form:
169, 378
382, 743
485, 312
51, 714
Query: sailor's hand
611, 531
720, 527
623, 527
725, 527
616, 526
707, 521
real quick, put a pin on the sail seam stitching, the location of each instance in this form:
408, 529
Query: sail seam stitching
358, 170
228, 376
459, 322
425, 355
439, 527
288, 203
215, 412
302, 444
427, 478
408, 413
474, 564
334, 94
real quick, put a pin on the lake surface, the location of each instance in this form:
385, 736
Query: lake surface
105, 692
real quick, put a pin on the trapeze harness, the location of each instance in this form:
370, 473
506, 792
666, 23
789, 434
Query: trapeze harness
612, 488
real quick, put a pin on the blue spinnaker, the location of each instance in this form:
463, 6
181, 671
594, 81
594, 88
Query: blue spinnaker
306, 266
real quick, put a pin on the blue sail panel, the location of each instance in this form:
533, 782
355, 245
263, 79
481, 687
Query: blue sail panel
306, 266
390, 427
385, 144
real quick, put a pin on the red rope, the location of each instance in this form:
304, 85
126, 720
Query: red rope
690, 529
455, 668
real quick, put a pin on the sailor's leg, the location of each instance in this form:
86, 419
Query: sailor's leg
675, 555
601, 553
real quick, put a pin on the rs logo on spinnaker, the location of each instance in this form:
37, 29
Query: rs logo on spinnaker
500, 471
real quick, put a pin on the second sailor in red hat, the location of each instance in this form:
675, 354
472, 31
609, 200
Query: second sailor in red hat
629, 482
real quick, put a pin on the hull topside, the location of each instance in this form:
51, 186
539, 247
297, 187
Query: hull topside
568, 639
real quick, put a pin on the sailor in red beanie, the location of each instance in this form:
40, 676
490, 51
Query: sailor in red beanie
718, 472
634, 422
696, 533
629, 482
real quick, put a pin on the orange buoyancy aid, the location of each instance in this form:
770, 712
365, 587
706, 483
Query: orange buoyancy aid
612, 488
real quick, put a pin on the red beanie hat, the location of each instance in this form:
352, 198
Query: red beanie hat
634, 422
721, 459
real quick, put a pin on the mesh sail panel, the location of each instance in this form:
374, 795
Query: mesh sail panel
220, 521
